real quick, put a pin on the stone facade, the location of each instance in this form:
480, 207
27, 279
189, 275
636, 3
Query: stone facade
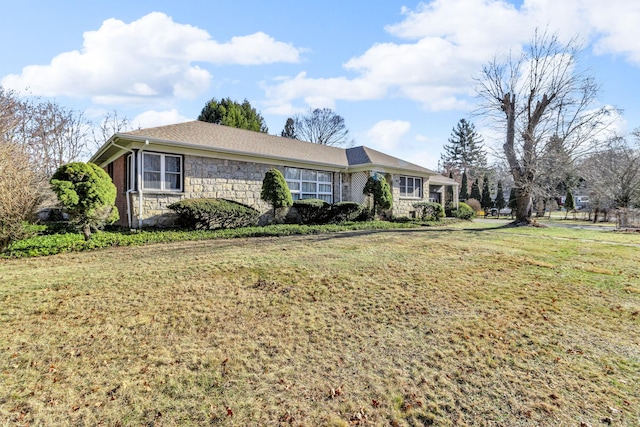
241, 182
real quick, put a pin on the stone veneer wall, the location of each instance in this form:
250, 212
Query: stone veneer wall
403, 207
206, 177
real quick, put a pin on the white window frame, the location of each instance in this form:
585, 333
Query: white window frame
296, 184
163, 172
403, 188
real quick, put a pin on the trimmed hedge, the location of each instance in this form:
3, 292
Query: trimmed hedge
348, 211
312, 211
212, 214
429, 211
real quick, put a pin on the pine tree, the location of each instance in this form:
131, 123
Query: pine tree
500, 202
569, 204
475, 190
289, 130
465, 151
485, 201
464, 192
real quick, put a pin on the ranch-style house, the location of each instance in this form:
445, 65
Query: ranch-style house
155, 167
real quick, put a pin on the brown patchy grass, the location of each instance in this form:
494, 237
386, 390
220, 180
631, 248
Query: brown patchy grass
418, 327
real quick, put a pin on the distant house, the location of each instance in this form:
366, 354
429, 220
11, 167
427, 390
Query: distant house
155, 167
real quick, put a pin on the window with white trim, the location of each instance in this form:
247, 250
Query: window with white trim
309, 184
161, 172
411, 187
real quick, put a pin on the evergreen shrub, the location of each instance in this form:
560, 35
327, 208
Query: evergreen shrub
429, 211
212, 214
312, 211
348, 211
464, 211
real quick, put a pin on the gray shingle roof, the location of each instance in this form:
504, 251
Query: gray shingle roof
239, 141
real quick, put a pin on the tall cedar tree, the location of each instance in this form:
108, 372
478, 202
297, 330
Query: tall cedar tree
289, 130
231, 113
485, 200
464, 189
449, 193
465, 151
569, 204
500, 202
475, 190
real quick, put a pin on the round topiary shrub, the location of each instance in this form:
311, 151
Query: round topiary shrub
464, 211
87, 194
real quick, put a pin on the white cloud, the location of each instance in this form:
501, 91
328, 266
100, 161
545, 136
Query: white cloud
154, 118
386, 135
146, 60
446, 42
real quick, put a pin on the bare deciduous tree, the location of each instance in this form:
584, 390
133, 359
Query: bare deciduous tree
612, 174
111, 124
322, 126
536, 98
19, 194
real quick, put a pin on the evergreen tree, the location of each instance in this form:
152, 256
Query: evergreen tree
449, 191
378, 187
275, 190
500, 202
513, 202
289, 130
569, 204
475, 190
485, 200
88, 195
231, 113
465, 151
464, 192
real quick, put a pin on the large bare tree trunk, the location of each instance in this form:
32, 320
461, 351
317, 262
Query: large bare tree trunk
524, 207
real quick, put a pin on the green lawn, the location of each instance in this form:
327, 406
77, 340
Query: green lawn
461, 325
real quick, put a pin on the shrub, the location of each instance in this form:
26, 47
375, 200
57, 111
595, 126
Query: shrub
378, 187
474, 204
347, 211
88, 195
312, 211
18, 193
464, 211
211, 214
429, 211
275, 190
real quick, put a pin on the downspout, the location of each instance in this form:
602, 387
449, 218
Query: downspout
129, 190
146, 142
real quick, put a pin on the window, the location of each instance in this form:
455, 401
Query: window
410, 187
309, 184
161, 172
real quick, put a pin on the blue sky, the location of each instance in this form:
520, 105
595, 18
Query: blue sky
399, 72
